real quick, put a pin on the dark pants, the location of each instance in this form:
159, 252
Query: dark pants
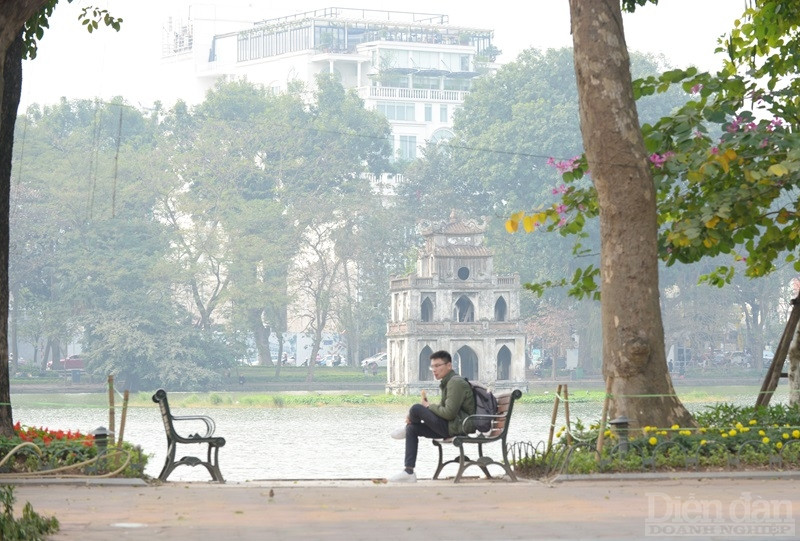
424, 423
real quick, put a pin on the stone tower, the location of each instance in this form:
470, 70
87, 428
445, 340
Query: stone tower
455, 301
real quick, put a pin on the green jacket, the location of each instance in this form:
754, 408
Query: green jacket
458, 403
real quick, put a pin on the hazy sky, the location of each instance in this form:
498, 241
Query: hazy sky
75, 64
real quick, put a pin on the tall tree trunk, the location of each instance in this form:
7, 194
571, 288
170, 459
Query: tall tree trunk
261, 337
633, 334
11, 76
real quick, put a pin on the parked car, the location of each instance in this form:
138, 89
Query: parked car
380, 359
73, 362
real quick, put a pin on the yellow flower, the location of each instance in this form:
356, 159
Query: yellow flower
653, 440
752, 422
724, 435
745, 429
779, 445
765, 440
702, 442
732, 432
674, 427
762, 433
607, 433
647, 429
685, 432
663, 432
785, 436
739, 425
796, 434
702, 430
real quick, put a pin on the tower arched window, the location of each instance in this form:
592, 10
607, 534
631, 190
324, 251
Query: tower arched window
500, 310
464, 310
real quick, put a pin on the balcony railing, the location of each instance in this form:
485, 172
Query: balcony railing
427, 94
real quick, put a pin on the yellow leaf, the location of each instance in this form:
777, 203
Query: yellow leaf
723, 160
730, 154
707, 243
528, 223
512, 225
694, 176
778, 170
712, 222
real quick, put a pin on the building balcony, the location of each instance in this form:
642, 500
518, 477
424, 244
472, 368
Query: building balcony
415, 94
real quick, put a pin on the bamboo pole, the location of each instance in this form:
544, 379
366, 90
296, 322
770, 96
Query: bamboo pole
566, 414
602, 431
111, 414
123, 416
553, 419
779, 359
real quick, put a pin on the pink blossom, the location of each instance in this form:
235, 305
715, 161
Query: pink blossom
775, 123
714, 150
561, 208
750, 126
697, 88
562, 222
698, 134
658, 160
764, 142
564, 166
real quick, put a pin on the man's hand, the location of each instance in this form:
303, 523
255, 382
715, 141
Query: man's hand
425, 399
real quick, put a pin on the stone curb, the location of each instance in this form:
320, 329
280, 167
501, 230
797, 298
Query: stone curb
666, 476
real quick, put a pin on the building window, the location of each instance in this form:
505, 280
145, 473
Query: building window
443, 113
464, 311
457, 84
500, 309
426, 310
425, 82
396, 110
408, 148
428, 112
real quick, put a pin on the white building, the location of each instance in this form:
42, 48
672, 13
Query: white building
414, 68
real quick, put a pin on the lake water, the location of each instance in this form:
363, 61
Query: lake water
288, 443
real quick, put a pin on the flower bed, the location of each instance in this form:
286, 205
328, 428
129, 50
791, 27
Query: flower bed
43, 451
726, 437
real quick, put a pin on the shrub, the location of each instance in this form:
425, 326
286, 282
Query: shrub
726, 435
31, 527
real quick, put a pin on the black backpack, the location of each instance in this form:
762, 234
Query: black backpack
485, 404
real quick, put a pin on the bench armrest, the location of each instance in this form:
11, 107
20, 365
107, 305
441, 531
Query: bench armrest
480, 416
210, 426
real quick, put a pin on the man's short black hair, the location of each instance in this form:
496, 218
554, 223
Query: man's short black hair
443, 355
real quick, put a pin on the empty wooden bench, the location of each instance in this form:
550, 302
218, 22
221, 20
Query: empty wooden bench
498, 434
173, 439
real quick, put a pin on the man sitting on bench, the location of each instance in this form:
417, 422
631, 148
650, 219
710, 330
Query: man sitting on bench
443, 420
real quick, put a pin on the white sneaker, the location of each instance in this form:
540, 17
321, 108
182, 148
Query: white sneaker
400, 433
403, 477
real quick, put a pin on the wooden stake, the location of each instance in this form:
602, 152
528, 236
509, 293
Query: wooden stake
553, 419
123, 416
111, 414
602, 432
566, 413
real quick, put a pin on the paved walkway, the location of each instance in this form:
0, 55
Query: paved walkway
618, 509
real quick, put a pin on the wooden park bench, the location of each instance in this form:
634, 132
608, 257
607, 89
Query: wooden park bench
498, 433
173, 439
